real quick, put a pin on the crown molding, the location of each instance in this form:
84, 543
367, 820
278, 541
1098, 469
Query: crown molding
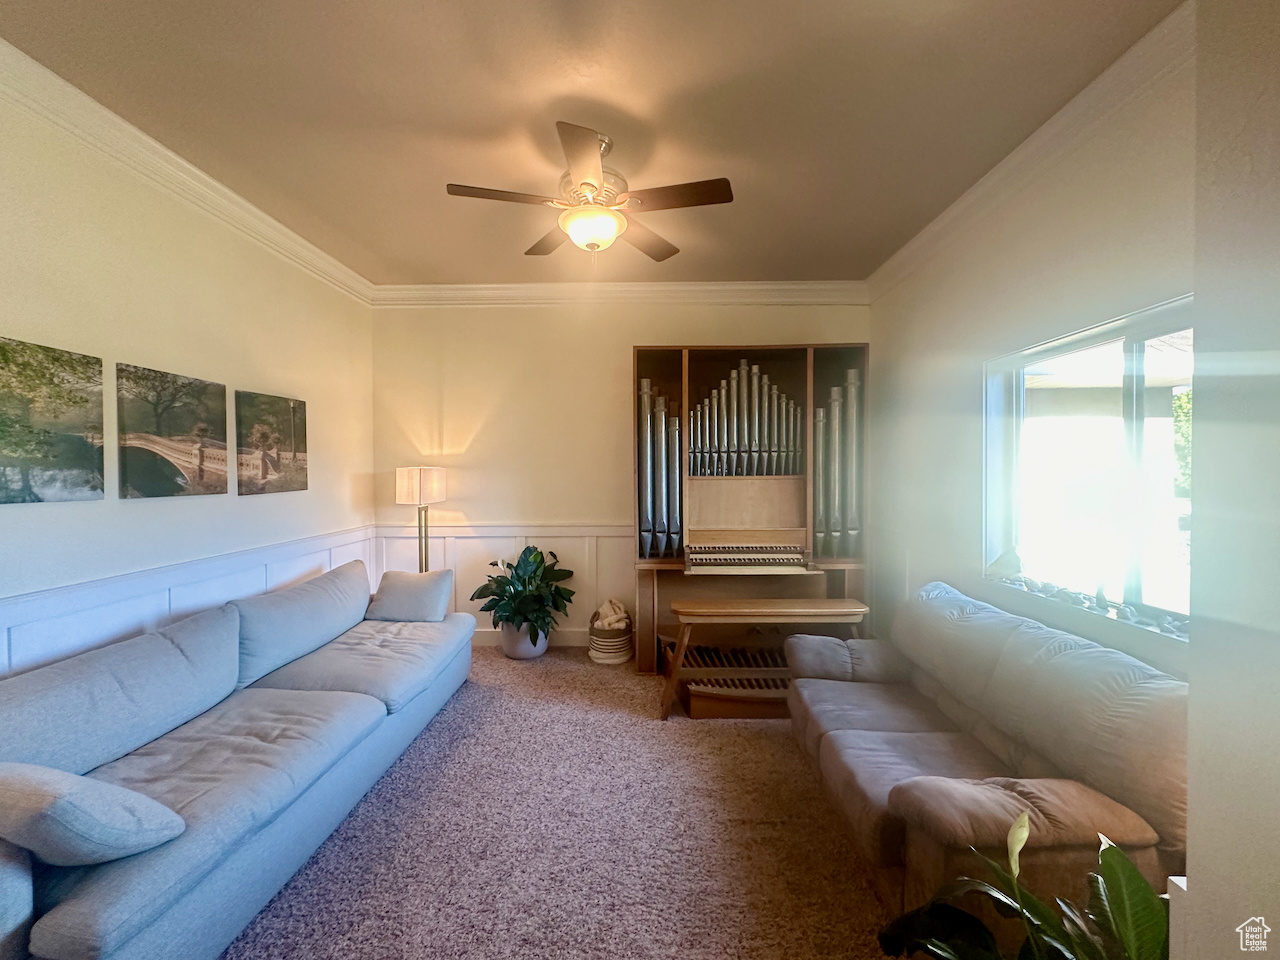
29, 85
749, 293
1165, 50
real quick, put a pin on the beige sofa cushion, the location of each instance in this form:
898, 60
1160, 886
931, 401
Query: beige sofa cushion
821, 706
830, 658
1099, 716
861, 768
978, 813
953, 638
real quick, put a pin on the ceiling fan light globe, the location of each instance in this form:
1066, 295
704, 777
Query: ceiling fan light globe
592, 227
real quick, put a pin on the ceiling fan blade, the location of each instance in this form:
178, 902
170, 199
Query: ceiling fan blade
696, 194
648, 242
484, 193
582, 150
549, 243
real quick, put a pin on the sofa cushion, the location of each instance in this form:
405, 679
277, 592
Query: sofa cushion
17, 906
82, 712
861, 768
1101, 717
393, 662
954, 638
227, 773
276, 628
829, 658
67, 819
978, 813
821, 706
412, 597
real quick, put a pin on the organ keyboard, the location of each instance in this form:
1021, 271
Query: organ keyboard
745, 558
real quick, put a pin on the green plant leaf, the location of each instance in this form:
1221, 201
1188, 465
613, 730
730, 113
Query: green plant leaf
1087, 944
1045, 921
940, 930
1138, 918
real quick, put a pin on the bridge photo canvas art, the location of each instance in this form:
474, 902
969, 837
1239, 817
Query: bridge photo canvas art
173, 434
50, 424
271, 434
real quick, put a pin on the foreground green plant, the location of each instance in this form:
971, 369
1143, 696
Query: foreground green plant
1125, 918
529, 592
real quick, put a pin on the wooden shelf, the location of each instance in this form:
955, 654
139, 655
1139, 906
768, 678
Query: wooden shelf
833, 564
665, 563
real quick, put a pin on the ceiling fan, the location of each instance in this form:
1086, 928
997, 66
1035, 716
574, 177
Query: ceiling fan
596, 205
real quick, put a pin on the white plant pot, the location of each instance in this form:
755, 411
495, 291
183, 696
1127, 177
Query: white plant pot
516, 644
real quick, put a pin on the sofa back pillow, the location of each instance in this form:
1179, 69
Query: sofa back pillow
954, 638
278, 628
412, 597
73, 821
90, 709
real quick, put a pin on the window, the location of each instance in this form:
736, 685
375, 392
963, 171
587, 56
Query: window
1089, 467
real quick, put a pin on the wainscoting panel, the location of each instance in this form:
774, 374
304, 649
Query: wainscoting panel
42, 627
39, 628
600, 556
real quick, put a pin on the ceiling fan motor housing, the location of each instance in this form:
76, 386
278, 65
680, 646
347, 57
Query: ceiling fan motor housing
615, 184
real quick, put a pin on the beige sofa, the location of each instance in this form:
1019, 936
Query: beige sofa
934, 743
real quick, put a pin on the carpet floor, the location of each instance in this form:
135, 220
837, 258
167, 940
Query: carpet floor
545, 813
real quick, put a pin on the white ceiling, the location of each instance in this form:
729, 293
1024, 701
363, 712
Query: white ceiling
844, 125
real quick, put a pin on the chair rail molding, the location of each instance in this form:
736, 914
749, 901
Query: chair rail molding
1170, 47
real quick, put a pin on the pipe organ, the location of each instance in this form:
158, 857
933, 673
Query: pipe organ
748, 461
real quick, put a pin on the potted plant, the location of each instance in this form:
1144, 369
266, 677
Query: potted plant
1125, 919
524, 601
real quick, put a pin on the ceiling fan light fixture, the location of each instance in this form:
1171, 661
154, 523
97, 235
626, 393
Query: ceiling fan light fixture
592, 227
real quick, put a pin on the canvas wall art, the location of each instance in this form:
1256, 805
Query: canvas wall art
50, 424
271, 435
173, 434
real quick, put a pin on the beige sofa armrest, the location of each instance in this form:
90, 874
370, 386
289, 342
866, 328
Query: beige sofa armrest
978, 813
829, 658
16, 901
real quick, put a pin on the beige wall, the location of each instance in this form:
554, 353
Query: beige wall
1102, 228
100, 261
529, 407
1234, 844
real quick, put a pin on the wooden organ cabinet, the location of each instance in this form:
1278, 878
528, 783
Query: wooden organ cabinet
728, 451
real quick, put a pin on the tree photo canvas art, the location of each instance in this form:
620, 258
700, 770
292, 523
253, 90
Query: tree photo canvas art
173, 434
50, 424
271, 434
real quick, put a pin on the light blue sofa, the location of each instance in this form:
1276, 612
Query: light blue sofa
261, 723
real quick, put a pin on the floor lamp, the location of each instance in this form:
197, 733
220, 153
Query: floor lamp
420, 486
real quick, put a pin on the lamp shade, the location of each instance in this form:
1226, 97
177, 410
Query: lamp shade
419, 485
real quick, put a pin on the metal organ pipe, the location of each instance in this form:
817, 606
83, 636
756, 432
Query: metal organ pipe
819, 481
753, 462
852, 522
732, 461
660, 475
673, 484
744, 431
645, 466
722, 432
835, 494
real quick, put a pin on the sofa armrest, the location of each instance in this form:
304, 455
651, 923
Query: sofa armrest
16, 901
978, 813
829, 658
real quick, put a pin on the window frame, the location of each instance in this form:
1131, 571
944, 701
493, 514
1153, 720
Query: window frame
1004, 404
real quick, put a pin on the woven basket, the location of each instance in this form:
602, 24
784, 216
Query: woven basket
610, 638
